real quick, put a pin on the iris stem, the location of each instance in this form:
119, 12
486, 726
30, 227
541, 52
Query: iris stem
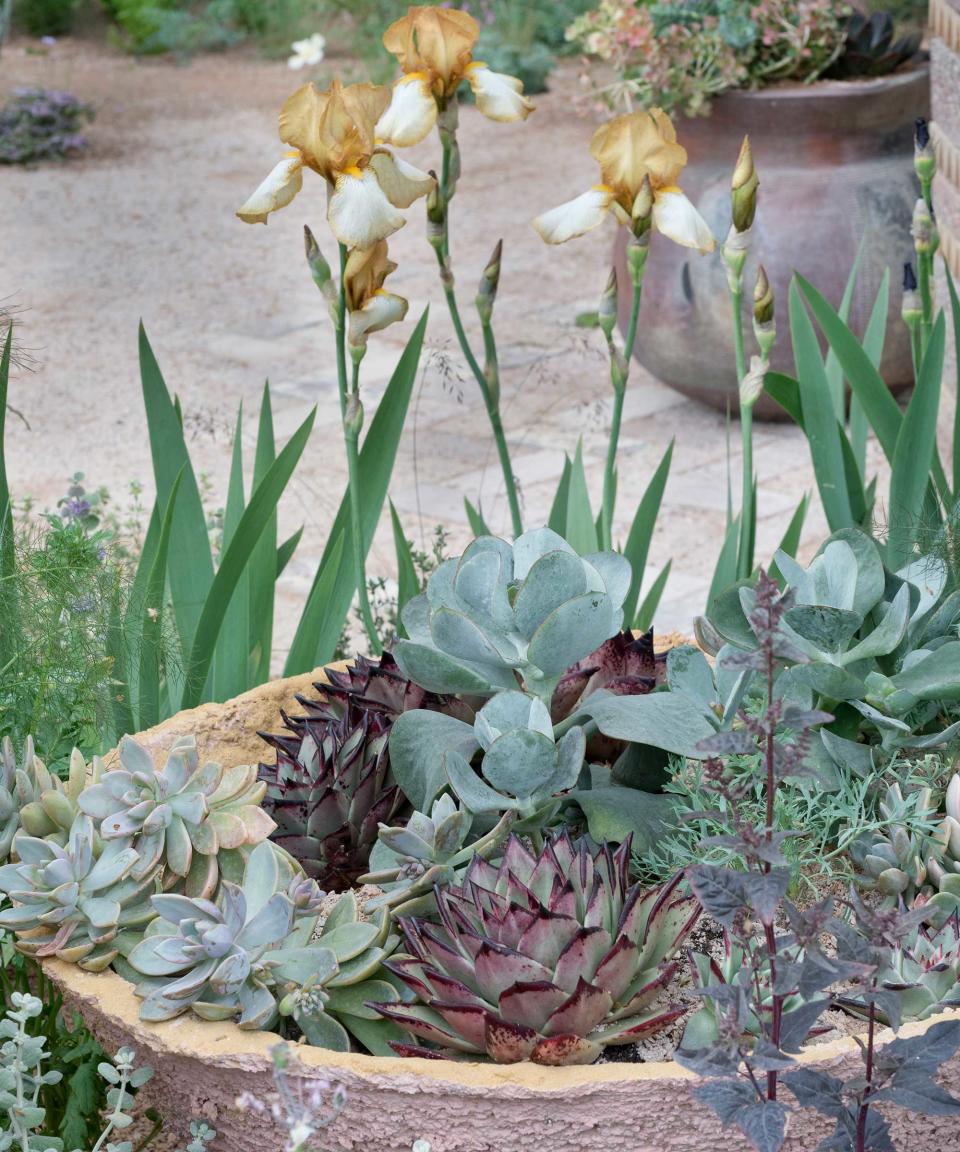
925, 268
616, 419
351, 436
747, 511
490, 398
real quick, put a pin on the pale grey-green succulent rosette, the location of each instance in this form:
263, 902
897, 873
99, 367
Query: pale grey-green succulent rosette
504, 616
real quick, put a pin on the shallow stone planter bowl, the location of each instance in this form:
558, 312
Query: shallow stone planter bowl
200, 1068
835, 161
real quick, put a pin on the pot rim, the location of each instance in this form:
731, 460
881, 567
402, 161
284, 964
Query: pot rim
224, 1042
867, 87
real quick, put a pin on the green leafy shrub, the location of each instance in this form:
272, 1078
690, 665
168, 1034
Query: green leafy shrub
42, 124
55, 605
45, 17
154, 27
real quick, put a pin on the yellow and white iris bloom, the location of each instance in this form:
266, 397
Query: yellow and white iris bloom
334, 133
435, 50
371, 308
639, 157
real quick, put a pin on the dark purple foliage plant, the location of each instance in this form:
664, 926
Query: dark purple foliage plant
797, 961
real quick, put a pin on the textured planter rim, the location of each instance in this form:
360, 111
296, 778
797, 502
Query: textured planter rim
828, 89
223, 1041
227, 1046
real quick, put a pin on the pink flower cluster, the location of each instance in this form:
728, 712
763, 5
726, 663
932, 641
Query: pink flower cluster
679, 57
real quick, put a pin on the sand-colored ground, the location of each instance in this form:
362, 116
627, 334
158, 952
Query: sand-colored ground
143, 226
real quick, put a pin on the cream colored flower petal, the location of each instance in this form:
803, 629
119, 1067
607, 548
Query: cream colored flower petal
279, 188
499, 97
576, 216
382, 309
676, 218
359, 212
412, 112
401, 182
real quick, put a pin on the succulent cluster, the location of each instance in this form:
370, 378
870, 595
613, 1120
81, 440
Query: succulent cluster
182, 817
869, 47
924, 972
234, 958
548, 957
409, 862
35, 800
331, 786
523, 769
714, 979
71, 903
904, 861
884, 643
503, 616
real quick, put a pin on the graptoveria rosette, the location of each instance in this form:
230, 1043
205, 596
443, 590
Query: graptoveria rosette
72, 904
505, 616
182, 815
257, 945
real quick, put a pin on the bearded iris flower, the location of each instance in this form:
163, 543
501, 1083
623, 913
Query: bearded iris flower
334, 134
639, 158
435, 50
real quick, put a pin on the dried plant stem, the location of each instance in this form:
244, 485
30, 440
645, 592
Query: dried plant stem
490, 396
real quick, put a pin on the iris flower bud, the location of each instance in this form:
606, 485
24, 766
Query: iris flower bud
743, 189
642, 210
638, 248
911, 308
922, 228
751, 385
924, 157
764, 326
319, 268
607, 312
489, 282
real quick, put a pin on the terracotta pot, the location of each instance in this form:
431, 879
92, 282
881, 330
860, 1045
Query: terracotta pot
201, 1068
945, 130
835, 161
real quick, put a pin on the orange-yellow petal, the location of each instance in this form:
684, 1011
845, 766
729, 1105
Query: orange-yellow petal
636, 145
435, 40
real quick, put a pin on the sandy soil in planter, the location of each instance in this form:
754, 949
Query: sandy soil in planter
201, 1068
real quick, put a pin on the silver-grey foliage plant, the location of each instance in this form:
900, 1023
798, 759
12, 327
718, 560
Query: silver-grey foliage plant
510, 615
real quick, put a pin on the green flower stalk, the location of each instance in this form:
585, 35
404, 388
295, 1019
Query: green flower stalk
434, 47
925, 243
438, 227
743, 206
